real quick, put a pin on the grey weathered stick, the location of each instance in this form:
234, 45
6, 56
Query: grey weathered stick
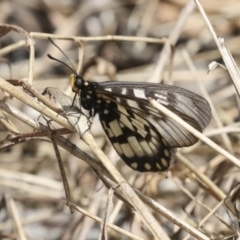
226, 55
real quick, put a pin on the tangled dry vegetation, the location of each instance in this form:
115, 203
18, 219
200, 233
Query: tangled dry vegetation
171, 41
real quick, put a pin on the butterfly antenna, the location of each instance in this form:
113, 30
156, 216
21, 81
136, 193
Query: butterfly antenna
51, 57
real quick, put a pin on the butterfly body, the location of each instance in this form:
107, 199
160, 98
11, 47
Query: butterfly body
145, 139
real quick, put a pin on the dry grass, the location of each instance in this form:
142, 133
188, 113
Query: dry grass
174, 41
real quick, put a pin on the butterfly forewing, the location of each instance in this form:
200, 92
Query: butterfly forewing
189, 106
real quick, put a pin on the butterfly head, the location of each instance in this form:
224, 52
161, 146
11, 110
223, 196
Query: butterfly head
77, 82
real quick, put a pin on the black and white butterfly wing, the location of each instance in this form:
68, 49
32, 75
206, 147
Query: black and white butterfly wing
191, 107
138, 143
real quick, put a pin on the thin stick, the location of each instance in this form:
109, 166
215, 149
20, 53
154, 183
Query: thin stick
99, 38
226, 55
17, 222
165, 54
127, 191
61, 168
215, 115
98, 219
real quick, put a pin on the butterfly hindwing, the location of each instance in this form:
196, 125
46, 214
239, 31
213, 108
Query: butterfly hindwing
138, 143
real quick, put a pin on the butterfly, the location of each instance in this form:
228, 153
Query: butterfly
144, 138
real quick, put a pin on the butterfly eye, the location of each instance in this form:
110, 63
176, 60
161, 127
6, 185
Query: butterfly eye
76, 82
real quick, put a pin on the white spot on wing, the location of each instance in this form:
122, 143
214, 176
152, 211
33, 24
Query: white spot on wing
122, 109
134, 165
153, 133
139, 93
141, 119
166, 152
132, 103
124, 91
142, 132
152, 146
105, 111
118, 148
110, 133
164, 162
146, 148
117, 131
147, 166
137, 124
127, 150
108, 89
158, 166
124, 120
136, 146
